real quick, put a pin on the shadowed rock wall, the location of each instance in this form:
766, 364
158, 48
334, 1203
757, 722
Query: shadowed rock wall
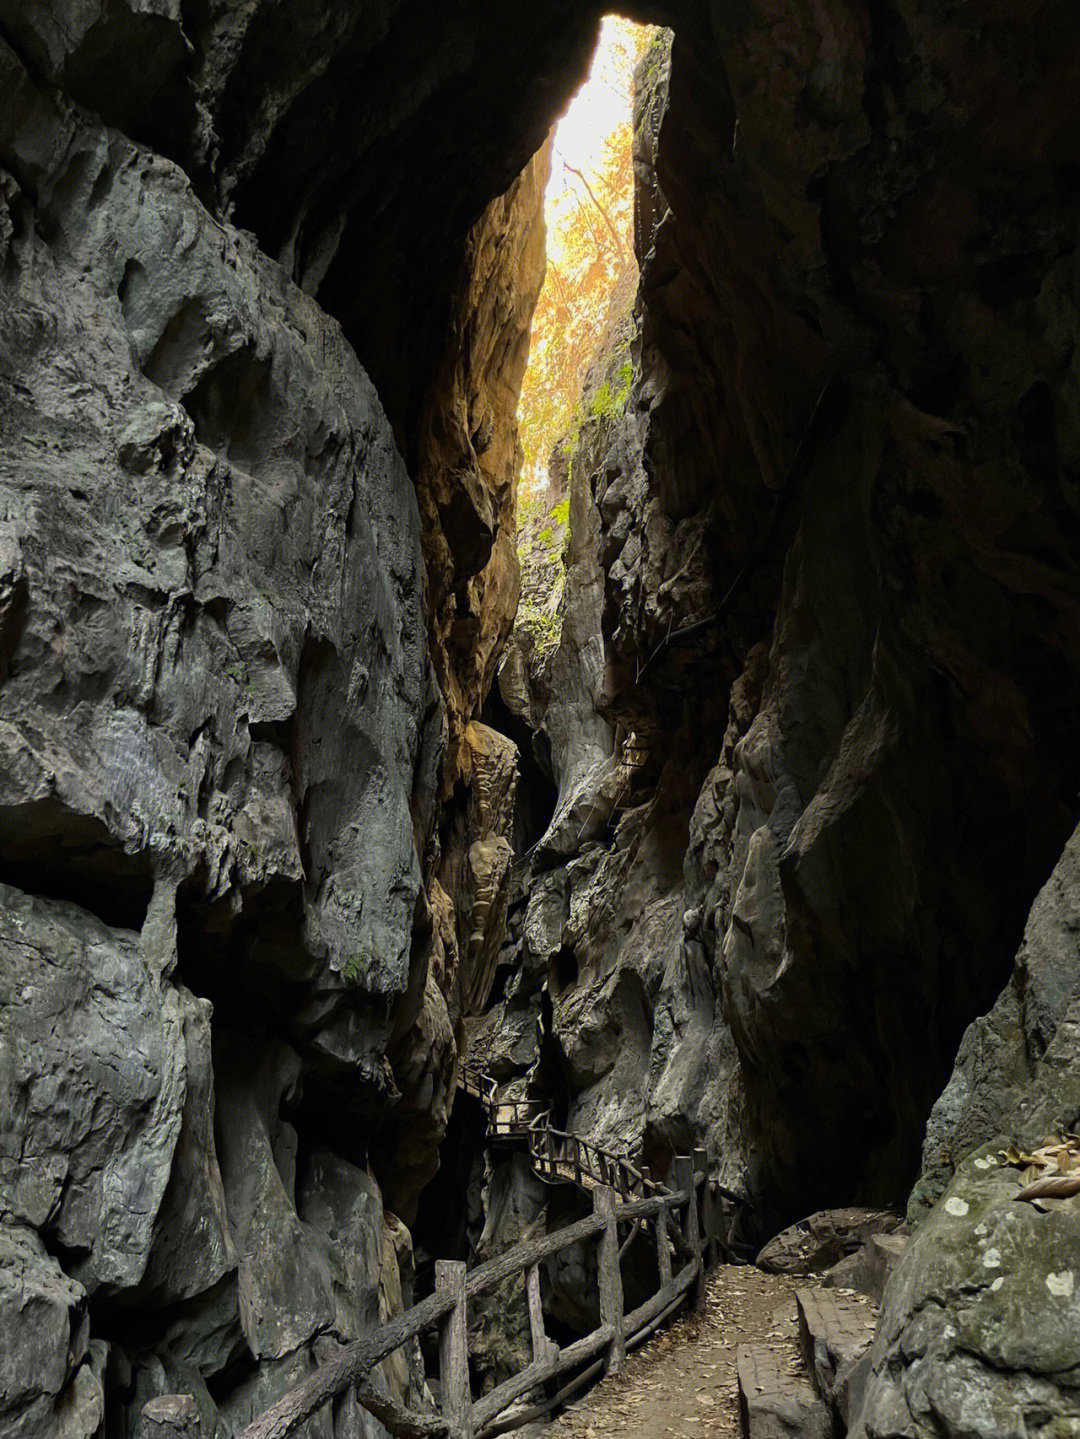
850, 466
230, 975
220, 706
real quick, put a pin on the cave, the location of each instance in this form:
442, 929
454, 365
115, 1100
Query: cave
756, 840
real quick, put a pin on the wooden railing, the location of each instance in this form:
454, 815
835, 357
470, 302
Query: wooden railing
690, 1223
674, 1216
556, 1156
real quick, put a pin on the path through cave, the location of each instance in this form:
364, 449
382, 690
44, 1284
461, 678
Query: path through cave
293, 815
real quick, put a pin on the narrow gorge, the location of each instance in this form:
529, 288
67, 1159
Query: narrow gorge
763, 842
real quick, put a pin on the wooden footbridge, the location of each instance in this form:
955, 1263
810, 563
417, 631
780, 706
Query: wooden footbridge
556, 1156
689, 1221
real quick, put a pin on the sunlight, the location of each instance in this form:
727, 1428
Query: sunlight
589, 210
583, 136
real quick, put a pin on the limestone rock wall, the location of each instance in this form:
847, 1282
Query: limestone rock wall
219, 727
246, 898
979, 1321
834, 610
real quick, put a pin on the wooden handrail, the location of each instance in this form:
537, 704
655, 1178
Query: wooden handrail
556, 1155
448, 1305
623, 1193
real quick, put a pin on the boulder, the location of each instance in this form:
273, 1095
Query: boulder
869, 1269
980, 1328
105, 1079
816, 1243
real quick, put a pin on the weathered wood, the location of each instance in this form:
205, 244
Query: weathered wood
559, 1155
517, 1417
682, 1171
347, 1368
663, 1248
635, 1230
645, 1208
400, 1422
543, 1348
635, 1340
530, 1251
648, 1311
610, 1275
456, 1398
711, 1224
494, 1402
693, 1237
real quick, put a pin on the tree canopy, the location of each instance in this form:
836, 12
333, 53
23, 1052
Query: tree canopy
590, 216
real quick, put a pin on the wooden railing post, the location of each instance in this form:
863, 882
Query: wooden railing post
663, 1249
543, 1348
711, 1212
456, 1396
611, 1290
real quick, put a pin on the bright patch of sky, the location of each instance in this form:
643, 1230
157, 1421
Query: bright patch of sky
604, 102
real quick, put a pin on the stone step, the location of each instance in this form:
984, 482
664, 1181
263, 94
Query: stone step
774, 1401
835, 1331
870, 1268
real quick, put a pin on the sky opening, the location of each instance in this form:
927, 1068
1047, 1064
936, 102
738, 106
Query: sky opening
589, 209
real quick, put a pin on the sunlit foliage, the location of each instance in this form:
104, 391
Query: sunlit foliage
591, 265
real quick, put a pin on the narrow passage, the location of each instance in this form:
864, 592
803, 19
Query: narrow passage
683, 1384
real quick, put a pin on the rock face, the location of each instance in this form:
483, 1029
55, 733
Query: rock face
979, 1330
843, 669
812, 723
222, 741
216, 723
1001, 1053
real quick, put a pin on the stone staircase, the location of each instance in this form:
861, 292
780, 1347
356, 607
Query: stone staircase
817, 1396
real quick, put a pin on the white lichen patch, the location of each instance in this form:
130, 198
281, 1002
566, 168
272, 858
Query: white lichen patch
992, 1259
956, 1206
984, 1163
979, 1229
998, 1282
1061, 1285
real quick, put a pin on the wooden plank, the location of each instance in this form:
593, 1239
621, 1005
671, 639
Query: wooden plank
610, 1275
346, 1369
494, 1402
456, 1396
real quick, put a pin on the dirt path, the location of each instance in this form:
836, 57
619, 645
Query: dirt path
681, 1385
